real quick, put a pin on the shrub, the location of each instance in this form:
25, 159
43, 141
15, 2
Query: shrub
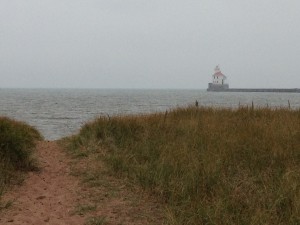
17, 141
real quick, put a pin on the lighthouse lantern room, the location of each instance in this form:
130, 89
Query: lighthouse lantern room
218, 77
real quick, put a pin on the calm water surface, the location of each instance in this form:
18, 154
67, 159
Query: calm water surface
61, 112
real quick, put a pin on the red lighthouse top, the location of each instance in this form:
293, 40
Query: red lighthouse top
218, 72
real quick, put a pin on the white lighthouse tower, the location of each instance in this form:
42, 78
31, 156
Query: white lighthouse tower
218, 81
218, 77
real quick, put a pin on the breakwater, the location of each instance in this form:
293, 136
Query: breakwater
225, 88
275, 90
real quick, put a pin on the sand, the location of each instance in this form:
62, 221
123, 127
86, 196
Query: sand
47, 196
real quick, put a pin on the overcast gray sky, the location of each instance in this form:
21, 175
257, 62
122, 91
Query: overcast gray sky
148, 43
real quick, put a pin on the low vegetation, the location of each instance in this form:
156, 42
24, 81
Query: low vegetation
17, 141
210, 166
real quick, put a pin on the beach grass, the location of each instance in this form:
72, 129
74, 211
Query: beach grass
209, 165
17, 142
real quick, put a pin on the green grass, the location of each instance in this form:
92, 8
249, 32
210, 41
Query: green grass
17, 141
211, 166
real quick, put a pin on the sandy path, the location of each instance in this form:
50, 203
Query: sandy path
47, 196
53, 196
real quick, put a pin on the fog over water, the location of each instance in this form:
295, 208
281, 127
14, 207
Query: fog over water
148, 44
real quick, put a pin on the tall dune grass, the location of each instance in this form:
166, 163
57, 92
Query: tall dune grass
17, 141
211, 166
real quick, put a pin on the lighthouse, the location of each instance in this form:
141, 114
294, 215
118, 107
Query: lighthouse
218, 85
218, 81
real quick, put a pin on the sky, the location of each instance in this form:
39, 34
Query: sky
151, 44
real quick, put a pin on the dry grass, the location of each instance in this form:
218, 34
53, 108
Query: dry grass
211, 166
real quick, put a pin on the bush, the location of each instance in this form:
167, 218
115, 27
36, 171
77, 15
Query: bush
17, 141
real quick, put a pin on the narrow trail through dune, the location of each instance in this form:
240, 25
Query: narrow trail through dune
53, 196
47, 196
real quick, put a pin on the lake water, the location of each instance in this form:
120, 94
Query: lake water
61, 112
